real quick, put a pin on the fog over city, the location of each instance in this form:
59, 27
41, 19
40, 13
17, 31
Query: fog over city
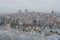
29, 20
12, 6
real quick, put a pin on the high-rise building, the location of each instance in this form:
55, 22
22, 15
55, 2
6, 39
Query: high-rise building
26, 10
19, 11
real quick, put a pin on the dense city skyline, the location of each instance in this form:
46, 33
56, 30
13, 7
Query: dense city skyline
36, 5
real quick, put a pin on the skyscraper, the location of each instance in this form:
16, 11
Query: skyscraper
26, 10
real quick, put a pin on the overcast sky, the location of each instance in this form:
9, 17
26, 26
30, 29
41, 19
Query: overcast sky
36, 5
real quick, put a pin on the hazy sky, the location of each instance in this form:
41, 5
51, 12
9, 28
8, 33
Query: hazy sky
37, 5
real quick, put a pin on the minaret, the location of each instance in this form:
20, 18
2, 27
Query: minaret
7, 22
42, 32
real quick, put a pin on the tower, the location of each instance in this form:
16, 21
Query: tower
26, 10
19, 11
7, 22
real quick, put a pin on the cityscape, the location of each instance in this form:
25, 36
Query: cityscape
29, 19
32, 24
